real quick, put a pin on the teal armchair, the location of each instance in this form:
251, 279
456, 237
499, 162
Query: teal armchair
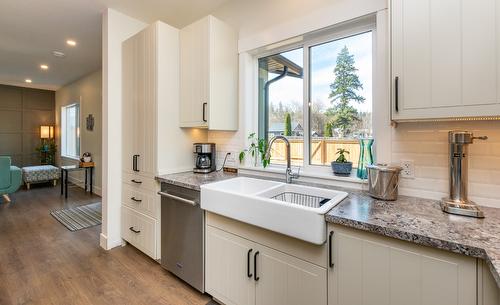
10, 178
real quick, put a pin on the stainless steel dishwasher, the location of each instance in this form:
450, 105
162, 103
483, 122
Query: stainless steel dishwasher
182, 234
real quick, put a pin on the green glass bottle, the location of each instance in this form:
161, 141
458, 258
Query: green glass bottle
365, 157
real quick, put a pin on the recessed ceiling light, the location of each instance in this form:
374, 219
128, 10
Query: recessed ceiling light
28, 81
71, 42
44, 67
58, 54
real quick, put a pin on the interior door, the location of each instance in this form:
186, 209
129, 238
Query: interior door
229, 268
286, 280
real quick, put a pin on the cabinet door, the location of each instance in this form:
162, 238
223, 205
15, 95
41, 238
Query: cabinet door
227, 267
373, 270
194, 74
145, 107
140, 231
489, 293
286, 280
445, 59
129, 98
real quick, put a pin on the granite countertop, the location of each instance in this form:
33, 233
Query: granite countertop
416, 220
421, 221
192, 180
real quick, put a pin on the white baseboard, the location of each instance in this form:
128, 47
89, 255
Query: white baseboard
81, 184
106, 244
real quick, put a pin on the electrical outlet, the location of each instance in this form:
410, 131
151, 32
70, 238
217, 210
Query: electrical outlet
230, 161
408, 170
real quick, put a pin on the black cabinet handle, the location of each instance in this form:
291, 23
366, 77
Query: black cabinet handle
255, 277
136, 181
396, 93
135, 167
134, 230
248, 263
204, 112
330, 254
135, 199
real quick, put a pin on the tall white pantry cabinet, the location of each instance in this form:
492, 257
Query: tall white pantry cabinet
153, 143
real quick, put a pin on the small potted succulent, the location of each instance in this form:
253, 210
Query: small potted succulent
342, 167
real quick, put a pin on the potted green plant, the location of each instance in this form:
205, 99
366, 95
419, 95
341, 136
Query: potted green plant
257, 150
341, 166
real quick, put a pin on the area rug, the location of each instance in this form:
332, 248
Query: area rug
81, 217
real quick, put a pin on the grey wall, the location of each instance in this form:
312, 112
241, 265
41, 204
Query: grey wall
22, 111
86, 91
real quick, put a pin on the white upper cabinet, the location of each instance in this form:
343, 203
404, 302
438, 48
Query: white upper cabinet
209, 75
445, 59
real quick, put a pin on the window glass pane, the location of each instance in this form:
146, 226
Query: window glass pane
341, 97
281, 103
70, 131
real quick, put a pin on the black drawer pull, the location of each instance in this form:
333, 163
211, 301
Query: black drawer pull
204, 112
255, 277
396, 93
330, 254
248, 263
135, 166
135, 199
134, 230
136, 181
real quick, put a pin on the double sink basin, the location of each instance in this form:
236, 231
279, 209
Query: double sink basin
294, 210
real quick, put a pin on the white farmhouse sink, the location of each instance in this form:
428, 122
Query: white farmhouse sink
289, 209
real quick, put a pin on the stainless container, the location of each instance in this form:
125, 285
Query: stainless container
383, 181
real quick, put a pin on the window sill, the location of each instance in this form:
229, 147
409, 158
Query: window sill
70, 158
322, 176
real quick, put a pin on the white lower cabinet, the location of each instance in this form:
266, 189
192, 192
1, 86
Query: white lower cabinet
227, 257
286, 280
488, 292
244, 272
139, 230
374, 270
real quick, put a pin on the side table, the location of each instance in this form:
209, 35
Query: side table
71, 168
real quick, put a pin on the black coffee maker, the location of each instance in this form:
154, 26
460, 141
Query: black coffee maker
204, 157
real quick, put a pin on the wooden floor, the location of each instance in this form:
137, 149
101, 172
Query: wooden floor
42, 262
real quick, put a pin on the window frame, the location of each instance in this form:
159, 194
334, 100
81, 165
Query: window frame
323, 36
63, 130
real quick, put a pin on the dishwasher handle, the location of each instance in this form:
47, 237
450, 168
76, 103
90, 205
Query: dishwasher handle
191, 202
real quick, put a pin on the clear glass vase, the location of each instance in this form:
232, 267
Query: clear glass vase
365, 157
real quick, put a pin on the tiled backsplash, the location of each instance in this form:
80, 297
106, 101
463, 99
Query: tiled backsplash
227, 142
426, 144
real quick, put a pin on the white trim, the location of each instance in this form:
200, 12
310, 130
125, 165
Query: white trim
97, 190
345, 30
106, 244
335, 13
278, 172
70, 158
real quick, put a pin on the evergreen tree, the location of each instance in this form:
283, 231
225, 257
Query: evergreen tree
343, 91
327, 133
288, 125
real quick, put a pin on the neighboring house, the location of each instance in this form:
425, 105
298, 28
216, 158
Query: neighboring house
277, 129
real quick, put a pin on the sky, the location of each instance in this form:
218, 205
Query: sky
323, 60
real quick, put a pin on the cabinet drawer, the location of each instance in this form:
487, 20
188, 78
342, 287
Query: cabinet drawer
143, 201
137, 181
139, 230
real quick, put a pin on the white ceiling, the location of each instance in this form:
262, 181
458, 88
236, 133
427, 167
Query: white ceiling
31, 29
